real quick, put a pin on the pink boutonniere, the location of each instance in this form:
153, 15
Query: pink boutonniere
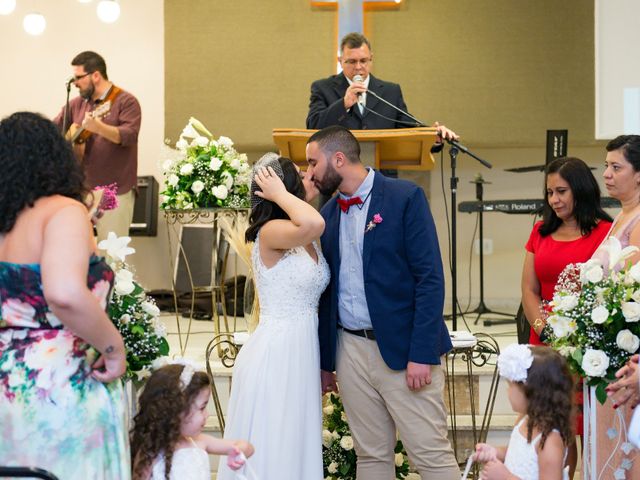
377, 218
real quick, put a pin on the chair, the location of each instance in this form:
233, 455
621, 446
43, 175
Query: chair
26, 472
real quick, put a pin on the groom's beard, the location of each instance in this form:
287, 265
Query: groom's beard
330, 183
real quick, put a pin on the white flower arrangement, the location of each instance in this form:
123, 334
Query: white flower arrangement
595, 316
206, 173
338, 454
514, 362
135, 315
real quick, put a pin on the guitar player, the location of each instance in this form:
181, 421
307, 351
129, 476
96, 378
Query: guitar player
104, 125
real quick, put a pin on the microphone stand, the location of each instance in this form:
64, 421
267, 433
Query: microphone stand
65, 115
453, 154
482, 309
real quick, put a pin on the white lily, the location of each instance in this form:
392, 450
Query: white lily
617, 254
116, 247
197, 124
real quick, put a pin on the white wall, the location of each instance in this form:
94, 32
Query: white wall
617, 36
34, 71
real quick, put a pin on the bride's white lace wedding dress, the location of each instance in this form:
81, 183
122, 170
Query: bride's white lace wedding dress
276, 395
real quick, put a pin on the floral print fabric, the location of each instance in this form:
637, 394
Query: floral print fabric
53, 414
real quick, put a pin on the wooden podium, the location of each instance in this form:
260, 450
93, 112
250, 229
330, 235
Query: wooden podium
399, 149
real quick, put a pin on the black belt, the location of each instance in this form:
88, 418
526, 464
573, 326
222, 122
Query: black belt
368, 334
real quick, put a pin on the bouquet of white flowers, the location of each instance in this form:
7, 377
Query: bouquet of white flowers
594, 318
338, 455
208, 173
135, 315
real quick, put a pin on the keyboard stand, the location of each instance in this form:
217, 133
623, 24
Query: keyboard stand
482, 308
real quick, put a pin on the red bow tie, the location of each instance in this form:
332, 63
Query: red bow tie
345, 203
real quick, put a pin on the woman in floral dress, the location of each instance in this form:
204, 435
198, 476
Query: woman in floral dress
61, 406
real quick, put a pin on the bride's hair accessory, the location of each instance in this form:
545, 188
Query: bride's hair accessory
514, 362
267, 160
188, 368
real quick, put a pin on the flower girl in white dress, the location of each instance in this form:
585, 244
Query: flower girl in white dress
541, 391
275, 398
167, 442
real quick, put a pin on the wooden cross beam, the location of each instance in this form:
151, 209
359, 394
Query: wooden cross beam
351, 12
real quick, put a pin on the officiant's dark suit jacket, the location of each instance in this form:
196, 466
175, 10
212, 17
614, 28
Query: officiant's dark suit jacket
403, 277
326, 106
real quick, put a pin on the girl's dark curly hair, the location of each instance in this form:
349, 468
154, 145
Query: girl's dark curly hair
36, 162
549, 391
586, 196
163, 404
267, 210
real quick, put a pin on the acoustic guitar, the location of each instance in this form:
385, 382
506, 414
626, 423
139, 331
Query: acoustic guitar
78, 135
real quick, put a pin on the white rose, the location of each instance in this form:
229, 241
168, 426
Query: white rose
328, 410
636, 296
565, 302
225, 142
346, 442
593, 273
201, 141
167, 165
227, 179
150, 308
235, 163
600, 314
332, 468
595, 363
327, 438
173, 180
124, 282
197, 187
182, 144
627, 341
186, 169
126, 318
631, 311
220, 192
215, 164
399, 459
335, 435
343, 416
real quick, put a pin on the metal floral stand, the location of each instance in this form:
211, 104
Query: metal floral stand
176, 220
227, 350
484, 352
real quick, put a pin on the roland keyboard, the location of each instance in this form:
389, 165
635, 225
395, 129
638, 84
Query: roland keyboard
518, 206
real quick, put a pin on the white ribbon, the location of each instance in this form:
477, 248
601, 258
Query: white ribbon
248, 473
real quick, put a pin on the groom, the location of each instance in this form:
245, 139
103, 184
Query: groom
381, 327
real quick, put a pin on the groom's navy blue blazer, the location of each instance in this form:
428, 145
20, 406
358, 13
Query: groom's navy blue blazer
403, 277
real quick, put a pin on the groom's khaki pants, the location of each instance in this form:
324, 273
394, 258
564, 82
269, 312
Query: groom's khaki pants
377, 401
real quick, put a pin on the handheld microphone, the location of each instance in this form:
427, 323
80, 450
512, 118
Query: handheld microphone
359, 79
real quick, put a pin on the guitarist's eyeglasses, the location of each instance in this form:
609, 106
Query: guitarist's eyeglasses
78, 77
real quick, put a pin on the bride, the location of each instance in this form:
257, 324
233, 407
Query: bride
275, 397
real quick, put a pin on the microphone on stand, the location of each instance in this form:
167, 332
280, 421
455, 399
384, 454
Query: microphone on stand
359, 79
70, 81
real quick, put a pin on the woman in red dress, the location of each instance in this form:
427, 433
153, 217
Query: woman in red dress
573, 226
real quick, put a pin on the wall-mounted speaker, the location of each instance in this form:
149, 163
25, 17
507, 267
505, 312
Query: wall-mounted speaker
145, 209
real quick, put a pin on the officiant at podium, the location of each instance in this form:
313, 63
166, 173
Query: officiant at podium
345, 99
